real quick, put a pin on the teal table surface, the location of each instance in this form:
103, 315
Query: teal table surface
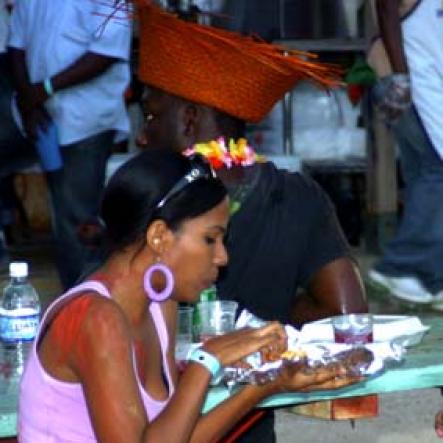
8, 425
421, 368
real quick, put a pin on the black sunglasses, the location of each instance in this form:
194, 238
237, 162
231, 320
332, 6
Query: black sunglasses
200, 168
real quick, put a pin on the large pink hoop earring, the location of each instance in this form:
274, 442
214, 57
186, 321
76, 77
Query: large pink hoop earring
150, 291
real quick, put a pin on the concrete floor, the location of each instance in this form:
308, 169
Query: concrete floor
405, 417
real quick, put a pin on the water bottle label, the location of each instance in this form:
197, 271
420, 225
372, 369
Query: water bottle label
14, 328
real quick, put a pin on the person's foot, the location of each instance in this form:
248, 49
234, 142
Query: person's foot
404, 288
439, 424
437, 304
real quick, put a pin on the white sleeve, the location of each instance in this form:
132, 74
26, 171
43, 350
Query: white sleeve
17, 25
427, 96
113, 29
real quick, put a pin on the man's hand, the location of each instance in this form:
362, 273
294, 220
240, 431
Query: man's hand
32, 97
392, 96
38, 94
30, 103
32, 118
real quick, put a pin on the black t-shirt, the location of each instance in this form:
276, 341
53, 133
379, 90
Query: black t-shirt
284, 231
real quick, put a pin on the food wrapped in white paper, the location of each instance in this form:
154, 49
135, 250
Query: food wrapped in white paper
365, 360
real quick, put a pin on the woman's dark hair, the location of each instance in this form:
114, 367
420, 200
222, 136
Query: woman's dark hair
131, 197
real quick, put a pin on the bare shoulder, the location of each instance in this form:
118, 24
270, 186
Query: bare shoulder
87, 328
103, 340
101, 331
104, 318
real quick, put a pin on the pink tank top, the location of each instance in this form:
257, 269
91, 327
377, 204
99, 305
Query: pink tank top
54, 411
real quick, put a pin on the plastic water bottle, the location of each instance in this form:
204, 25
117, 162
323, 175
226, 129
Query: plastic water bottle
209, 294
19, 318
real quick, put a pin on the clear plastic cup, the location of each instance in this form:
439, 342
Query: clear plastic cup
353, 328
183, 341
215, 318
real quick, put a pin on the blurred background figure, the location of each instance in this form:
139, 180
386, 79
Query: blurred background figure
409, 95
15, 151
70, 82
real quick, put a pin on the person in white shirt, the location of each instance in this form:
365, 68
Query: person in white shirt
410, 96
70, 65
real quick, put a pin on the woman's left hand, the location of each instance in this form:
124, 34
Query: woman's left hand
439, 424
299, 377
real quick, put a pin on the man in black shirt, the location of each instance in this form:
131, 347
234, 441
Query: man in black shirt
284, 239
288, 259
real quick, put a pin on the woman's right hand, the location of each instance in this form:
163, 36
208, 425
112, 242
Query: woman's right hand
234, 346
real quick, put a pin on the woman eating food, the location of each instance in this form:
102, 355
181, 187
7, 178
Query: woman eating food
100, 369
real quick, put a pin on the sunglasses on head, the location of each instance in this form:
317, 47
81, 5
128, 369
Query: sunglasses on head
200, 168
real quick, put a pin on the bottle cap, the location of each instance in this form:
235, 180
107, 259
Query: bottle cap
209, 294
18, 269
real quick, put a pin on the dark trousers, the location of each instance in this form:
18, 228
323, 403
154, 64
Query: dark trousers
417, 248
262, 431
75, 192
16, 153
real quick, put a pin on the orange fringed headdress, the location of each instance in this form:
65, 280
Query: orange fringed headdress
239, 75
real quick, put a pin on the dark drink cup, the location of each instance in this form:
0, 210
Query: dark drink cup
350, 337
353, 328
